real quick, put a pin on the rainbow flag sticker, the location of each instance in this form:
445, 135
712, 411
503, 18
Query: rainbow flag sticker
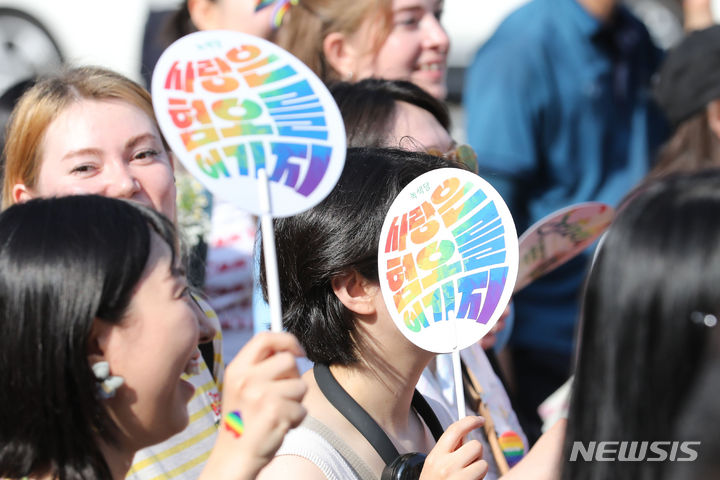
512, 447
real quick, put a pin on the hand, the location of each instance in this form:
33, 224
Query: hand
453, 459
263, 384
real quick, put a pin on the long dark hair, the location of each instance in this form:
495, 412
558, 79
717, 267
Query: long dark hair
177, 25
656, 273
368, 108
698, 420
64, 263
338, 236
693, 146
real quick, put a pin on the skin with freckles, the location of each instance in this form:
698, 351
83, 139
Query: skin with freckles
109, 148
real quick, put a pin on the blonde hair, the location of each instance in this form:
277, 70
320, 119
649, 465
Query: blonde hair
306, 25
43, 102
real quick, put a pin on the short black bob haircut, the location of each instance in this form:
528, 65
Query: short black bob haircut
64, 262
368, 108
338, 236
656, 273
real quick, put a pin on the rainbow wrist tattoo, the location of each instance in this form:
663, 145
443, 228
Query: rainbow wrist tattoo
234, 424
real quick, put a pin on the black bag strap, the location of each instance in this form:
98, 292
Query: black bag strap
361, 420
428, 415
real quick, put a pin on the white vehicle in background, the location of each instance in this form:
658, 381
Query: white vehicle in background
38, 35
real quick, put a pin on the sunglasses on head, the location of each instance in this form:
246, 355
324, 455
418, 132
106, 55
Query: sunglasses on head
461, 153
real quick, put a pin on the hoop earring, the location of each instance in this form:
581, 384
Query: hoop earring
108, 384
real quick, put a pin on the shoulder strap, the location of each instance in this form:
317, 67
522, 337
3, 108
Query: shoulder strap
360, 468
355, 413
426, 413
361, 420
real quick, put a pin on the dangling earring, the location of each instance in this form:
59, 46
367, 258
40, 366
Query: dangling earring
108, 384
349, 76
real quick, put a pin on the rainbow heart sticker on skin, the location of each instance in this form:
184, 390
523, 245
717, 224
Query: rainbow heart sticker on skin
512, 447
447, 259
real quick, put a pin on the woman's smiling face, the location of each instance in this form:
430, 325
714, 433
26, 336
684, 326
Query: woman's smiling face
104, 147
415, 49
153, 345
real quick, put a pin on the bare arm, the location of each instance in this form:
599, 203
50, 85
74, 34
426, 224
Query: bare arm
543, 461
301, 468
263, 384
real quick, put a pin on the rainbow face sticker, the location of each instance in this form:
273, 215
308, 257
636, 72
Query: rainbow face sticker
560, 236
230, 104
447, 259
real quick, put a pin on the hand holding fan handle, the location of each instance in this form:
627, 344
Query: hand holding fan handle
268, 241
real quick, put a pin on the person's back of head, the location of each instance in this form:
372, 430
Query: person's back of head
368, 108
338, 236
65, 263
643, 324
687, 89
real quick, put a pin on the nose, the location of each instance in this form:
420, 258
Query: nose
208, 324
437, 37
122, 182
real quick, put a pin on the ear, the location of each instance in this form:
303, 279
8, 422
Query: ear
21, 193
356, 293
204, 14
713, 113
340, 54
98, 341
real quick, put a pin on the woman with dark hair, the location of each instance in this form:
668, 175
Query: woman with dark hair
396, 113
93, 131
650, 306
696, 422
381, 113
331, 300
98, 335
248, 16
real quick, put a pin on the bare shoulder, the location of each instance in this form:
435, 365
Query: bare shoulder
301, 468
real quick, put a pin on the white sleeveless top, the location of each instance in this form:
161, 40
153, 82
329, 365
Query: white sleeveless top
308, 444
